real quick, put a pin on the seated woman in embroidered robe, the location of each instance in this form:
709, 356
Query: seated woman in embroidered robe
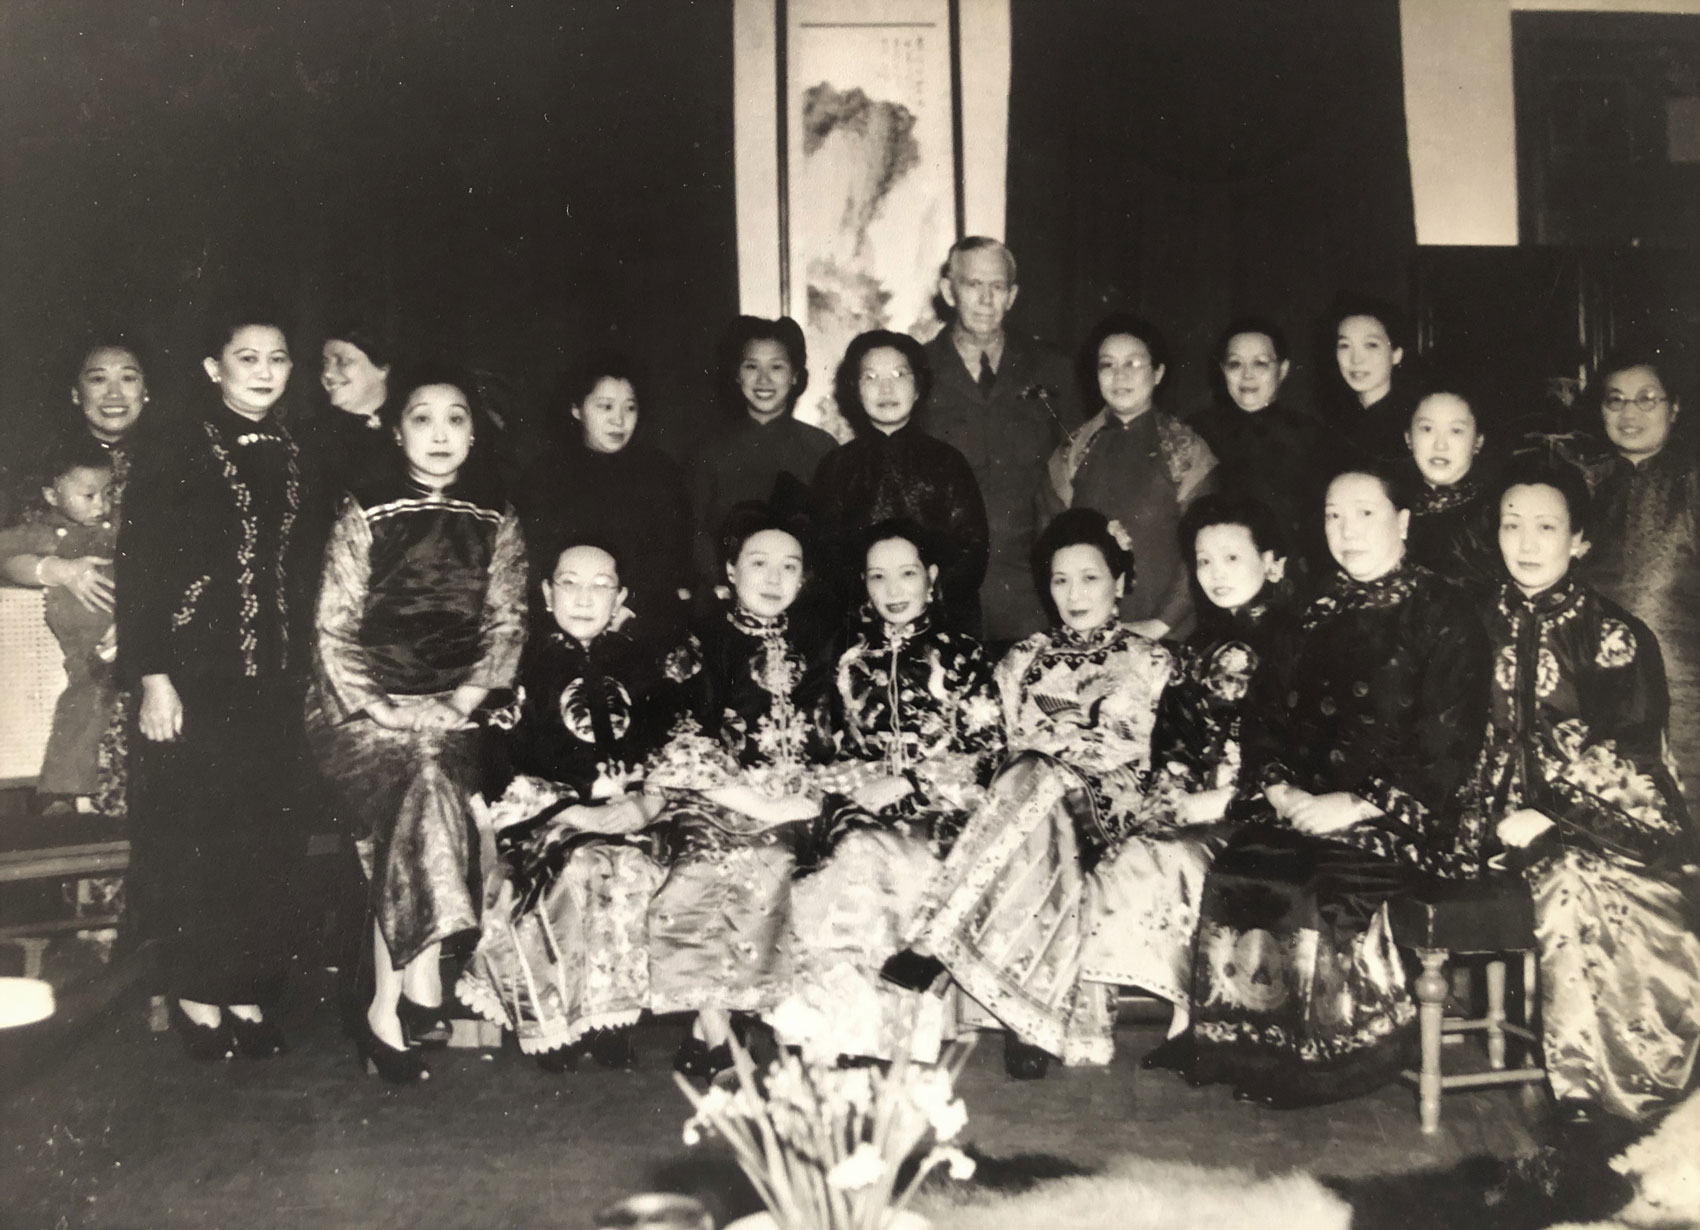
737, 780
563, 956
1008, 913
421, 616
1145, 907
1575, 783
1350, 777
1453, 517
922, 734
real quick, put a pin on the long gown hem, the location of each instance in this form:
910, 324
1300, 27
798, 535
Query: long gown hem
476, 993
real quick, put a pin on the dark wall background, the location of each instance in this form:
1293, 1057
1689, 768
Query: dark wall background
1193, 161
508, 183
513, 182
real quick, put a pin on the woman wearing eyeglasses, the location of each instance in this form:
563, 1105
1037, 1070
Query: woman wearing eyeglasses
1647, 527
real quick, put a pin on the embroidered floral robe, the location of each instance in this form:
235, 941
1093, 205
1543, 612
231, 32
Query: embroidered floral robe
1008, 913
1577, 732
760, 716
917, 703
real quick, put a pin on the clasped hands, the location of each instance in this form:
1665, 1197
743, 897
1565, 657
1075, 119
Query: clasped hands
1318, 814
418, 714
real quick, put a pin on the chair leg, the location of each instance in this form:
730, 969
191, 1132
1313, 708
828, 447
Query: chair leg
1431, 989
1496, 1014
1531, 988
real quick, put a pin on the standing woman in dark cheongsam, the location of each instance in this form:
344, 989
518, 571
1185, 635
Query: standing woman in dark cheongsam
894, 469
1350, 776
1452, 514
1574, 782
421, 616
1646, 538
216, 560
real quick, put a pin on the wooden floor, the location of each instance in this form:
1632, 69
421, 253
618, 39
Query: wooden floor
118, 1129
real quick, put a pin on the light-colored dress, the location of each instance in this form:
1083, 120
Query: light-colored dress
916, 702
1577, 733
1146, 896
760, 716
1009, 913
563, 946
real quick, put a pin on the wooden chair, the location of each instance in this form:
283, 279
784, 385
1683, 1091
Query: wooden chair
1490, 917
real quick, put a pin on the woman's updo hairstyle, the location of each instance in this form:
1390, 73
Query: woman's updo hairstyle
1218, 508
590, 370
847, 381
1259, 325
908, 530
1397, 487
367, 339
224, 322
744, 521
1119, 324
746, 329
1079, 527
1533, 470
1391, 318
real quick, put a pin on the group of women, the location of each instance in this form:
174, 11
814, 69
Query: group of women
750, 761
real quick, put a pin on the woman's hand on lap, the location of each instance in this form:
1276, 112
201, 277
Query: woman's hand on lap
1206, 806
1521, 827
881, 793
161, 716
1322, 814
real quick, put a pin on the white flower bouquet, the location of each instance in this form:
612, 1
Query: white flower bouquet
825, 1146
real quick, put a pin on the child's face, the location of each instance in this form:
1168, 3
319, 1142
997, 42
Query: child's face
252, 370
1536, 537
110, 390
766, 378
1252, 370
609, 413
768, 573
82, 494
1367, 357
435, 433
584, 592
899, 584
1126, 377
1443, 438
1231, 570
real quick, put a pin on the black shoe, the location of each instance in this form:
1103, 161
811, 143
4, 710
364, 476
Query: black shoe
1577, 1113
1023, 1061
561, 1059
203, 1043
911, 971
424, 1027
397, 1066
613, 1048
1169, 1055
257, 1039
699, 1060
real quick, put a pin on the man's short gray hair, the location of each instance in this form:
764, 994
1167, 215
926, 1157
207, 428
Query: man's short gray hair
975, 243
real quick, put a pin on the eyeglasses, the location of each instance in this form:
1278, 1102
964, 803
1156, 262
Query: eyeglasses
1646, 399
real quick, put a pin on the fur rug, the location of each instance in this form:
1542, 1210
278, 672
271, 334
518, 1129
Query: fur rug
1136, 1194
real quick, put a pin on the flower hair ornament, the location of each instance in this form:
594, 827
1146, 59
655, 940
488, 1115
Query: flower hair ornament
1118, 531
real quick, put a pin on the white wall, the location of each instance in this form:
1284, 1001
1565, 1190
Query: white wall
1459, 111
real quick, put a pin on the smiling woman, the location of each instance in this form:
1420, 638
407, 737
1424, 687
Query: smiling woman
582, 490
218, 550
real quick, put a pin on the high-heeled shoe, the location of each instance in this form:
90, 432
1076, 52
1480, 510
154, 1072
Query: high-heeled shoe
1023, 1061
257, 1039
613, 1048
698, 1059
1169, 1055
203, 1043
398, 1066
911, 971
422, 1026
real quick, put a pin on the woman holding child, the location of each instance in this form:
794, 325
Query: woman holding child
421, 616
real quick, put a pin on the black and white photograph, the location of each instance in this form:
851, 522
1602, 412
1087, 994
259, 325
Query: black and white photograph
850, 614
